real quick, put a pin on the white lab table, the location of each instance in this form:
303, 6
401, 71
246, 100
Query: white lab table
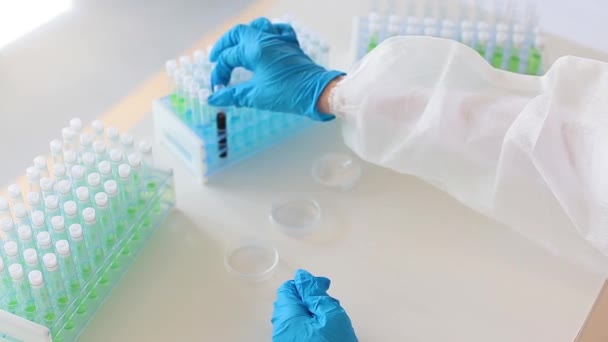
408, 262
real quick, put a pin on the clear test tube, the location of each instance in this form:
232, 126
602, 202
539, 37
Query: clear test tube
40, 163
51, 204
59, 231
69, 139
70, 160
178, 78
26, 237
116, 158
127, 142
86, 143
30, 256
42, 299
99, 148
94, 183
145, 149
47, 186
76, 125
83, 197
111, 188
38, 222
6, 287
70, 211
33, 178
78, 176
113, 136
126, 188
8, 230
59, 172
56, 147
170, 67
93, 235
204, 110
105, 170
106, 220
68, 268
88, 160
21, 215
199, 59
64, 188
98, 130
185, 62
467, 38
200, 78
135, 163
55, 281
193, 104
14, 194
4, 208
45, 245
34, 200
80, 252
11, 252
24, 300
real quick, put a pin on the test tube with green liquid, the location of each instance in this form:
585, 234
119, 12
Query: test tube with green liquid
22, 302
535, 57
55, 281
514, 56
68, 268
499, 52
40, 293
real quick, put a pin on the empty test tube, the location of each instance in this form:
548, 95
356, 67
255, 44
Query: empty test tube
170, 67
64, 188
69, 139
31, 260
93, 235
41, 165
80, 252
113, 136
34, 200
26, 238
88, 161
8, 230
59, 232
76, 125
70, 159
11, 251
98, 130
77, 173
99, 147
68, 268
21, 215
14, 194
56, 151
86, 142
42, 298
83, 197
59, 172
70, 210
43, 240
55, 280
106, 219
38, 222
24, 301
4, 208
116, 158
47, 186
51, 204
105, 170
127, 141
33, 178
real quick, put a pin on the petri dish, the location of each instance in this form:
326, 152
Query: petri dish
251, 259
296, 216
339, 171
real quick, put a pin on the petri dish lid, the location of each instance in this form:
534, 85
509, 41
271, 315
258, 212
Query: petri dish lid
297, 216
338, 171
251, 259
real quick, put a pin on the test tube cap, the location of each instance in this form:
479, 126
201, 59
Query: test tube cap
203, 95
38, 218
56, 146
518, 39
447, 33
483, 26
145, 146
88, 159
14, 191
70, 208
33, 198
94, 179
170, 67
7, 224
16, 271
116, 155
35, 278
199, 56
51, 202
11, 249
76, 124
466, 25
82, 193
44, 239
111, 187
483, 36
58, 223
64, 187
124, 171
63, 247
30, 256
88, 214
86, 139
112, 133
77, 172
101, 199
32, 174
50, 261
185, 61
3, 204
59, 170
134, 160
501, 37
429, 21
105, 168
99, 147
20, 210
97, 126
68, 134
46, 184
127, 139
502, 27
75, 231
24, 232
518, 28
70, 157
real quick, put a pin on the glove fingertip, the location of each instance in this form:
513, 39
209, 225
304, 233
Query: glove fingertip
221, 98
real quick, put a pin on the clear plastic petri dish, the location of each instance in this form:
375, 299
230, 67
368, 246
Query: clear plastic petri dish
339, 171
296, 216
251, 259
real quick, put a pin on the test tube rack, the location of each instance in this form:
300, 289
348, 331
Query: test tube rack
101, 250
209, 139
508, 45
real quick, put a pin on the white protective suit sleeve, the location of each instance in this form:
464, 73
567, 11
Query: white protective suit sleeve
528, 151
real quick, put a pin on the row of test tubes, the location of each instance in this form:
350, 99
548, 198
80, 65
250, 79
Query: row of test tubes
229, 131
75, 210
506, 44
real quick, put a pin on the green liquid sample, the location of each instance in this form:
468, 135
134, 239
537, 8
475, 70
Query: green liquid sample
62, 302
513, 64
497, 57
533, 67
373, 42
49, 317
481, 49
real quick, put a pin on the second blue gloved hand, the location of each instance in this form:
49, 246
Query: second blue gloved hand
284, 78
304, 312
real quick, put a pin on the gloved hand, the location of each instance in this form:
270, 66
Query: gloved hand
304, 312
284, 78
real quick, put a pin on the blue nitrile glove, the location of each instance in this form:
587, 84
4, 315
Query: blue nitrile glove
304, 312
284, 78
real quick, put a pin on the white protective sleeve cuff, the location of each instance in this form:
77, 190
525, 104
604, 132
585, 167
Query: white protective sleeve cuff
528, 151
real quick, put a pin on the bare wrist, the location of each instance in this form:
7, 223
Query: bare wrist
323, 104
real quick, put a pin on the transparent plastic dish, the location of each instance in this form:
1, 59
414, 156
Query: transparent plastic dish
339, 171
251, 259
296, 216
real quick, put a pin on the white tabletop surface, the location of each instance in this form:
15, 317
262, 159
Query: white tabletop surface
408, 262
